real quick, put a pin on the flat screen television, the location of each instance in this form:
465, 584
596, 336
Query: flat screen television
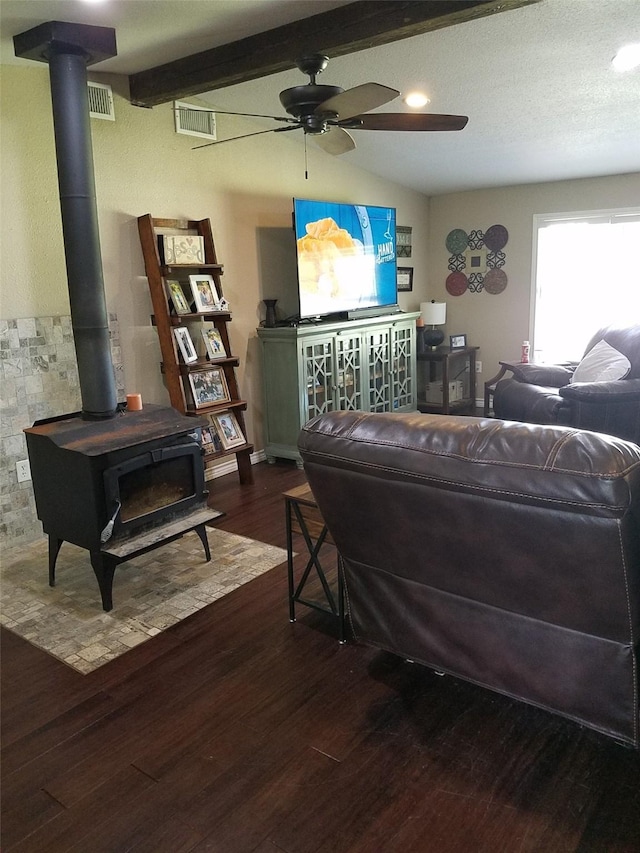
346, 259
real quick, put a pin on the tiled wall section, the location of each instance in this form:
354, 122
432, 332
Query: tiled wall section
39, 379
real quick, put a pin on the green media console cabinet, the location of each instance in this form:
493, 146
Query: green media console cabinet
353, 365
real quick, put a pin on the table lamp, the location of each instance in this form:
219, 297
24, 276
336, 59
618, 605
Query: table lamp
433, 314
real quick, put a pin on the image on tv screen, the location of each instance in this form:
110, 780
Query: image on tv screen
346, 255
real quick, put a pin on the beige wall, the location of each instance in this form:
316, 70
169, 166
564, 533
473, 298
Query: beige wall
498, 324
143, 166
245, 188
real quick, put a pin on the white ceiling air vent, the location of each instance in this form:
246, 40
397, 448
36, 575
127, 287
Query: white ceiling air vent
194, 121
101, 101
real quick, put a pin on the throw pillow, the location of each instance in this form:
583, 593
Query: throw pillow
551, 375
603, 363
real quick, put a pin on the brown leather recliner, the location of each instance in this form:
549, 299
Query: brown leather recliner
507, 554
545, 394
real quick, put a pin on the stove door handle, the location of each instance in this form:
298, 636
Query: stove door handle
108, 530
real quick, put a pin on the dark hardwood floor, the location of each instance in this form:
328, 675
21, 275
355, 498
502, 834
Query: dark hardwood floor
238, 731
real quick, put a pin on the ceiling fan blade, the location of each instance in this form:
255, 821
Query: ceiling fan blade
249, 115
405, 121
334, 141
360, 99
247, 135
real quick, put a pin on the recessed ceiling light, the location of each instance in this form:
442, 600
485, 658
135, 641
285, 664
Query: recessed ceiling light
627, 58
416, 99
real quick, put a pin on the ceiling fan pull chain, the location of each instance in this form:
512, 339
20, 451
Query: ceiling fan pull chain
306, 163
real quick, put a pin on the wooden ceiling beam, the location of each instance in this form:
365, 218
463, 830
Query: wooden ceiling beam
347, 29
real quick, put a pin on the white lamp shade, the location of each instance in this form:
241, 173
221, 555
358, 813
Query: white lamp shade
433, 313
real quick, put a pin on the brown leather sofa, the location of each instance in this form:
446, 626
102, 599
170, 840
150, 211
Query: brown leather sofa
507, 554
545, 394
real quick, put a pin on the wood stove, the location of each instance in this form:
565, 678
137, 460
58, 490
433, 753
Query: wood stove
119, 487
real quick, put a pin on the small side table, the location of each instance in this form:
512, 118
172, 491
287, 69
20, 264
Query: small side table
303, 517
444, 365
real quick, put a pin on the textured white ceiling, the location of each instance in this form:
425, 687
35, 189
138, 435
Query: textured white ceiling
543, 101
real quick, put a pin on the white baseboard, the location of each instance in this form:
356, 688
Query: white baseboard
231, 465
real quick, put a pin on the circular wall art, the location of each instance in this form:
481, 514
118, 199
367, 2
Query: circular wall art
457, 241
457, 283
476, 260
495, 281
495, 238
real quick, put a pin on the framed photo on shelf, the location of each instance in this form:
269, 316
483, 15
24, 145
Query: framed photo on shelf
457, 341
228, 430
185, 344
208, 387
182, 249
213, 343
205, 295
207, 439
216, 444
178, 299
405, 278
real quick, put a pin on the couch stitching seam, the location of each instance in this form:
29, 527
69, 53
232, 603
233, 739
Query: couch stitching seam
536, 467
555, 451
477, 487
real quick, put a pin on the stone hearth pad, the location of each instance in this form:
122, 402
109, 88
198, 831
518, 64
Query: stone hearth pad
150, 593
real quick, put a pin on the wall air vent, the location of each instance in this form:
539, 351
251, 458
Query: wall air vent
100, 101
194, 121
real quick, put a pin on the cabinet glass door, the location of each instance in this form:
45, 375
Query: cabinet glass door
403, 356
319, 375
378, 343
348, 349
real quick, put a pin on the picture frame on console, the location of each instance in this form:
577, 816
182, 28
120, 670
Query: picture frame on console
457, 341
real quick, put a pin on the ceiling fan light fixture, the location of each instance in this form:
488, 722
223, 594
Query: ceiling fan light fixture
627, 58
416, 100
314, 124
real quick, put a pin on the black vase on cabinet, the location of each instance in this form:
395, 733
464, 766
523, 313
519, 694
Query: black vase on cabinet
270, 320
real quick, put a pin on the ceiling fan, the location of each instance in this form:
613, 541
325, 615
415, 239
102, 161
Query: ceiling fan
328, 113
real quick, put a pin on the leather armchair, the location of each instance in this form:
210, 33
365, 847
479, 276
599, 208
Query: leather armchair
544, 394
507, 554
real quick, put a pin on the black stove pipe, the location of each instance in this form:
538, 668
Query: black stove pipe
74, 154
64, 48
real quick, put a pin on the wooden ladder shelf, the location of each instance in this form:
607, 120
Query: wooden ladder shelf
179, 375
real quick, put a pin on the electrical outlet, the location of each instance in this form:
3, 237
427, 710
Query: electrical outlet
23, 470
478, 367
